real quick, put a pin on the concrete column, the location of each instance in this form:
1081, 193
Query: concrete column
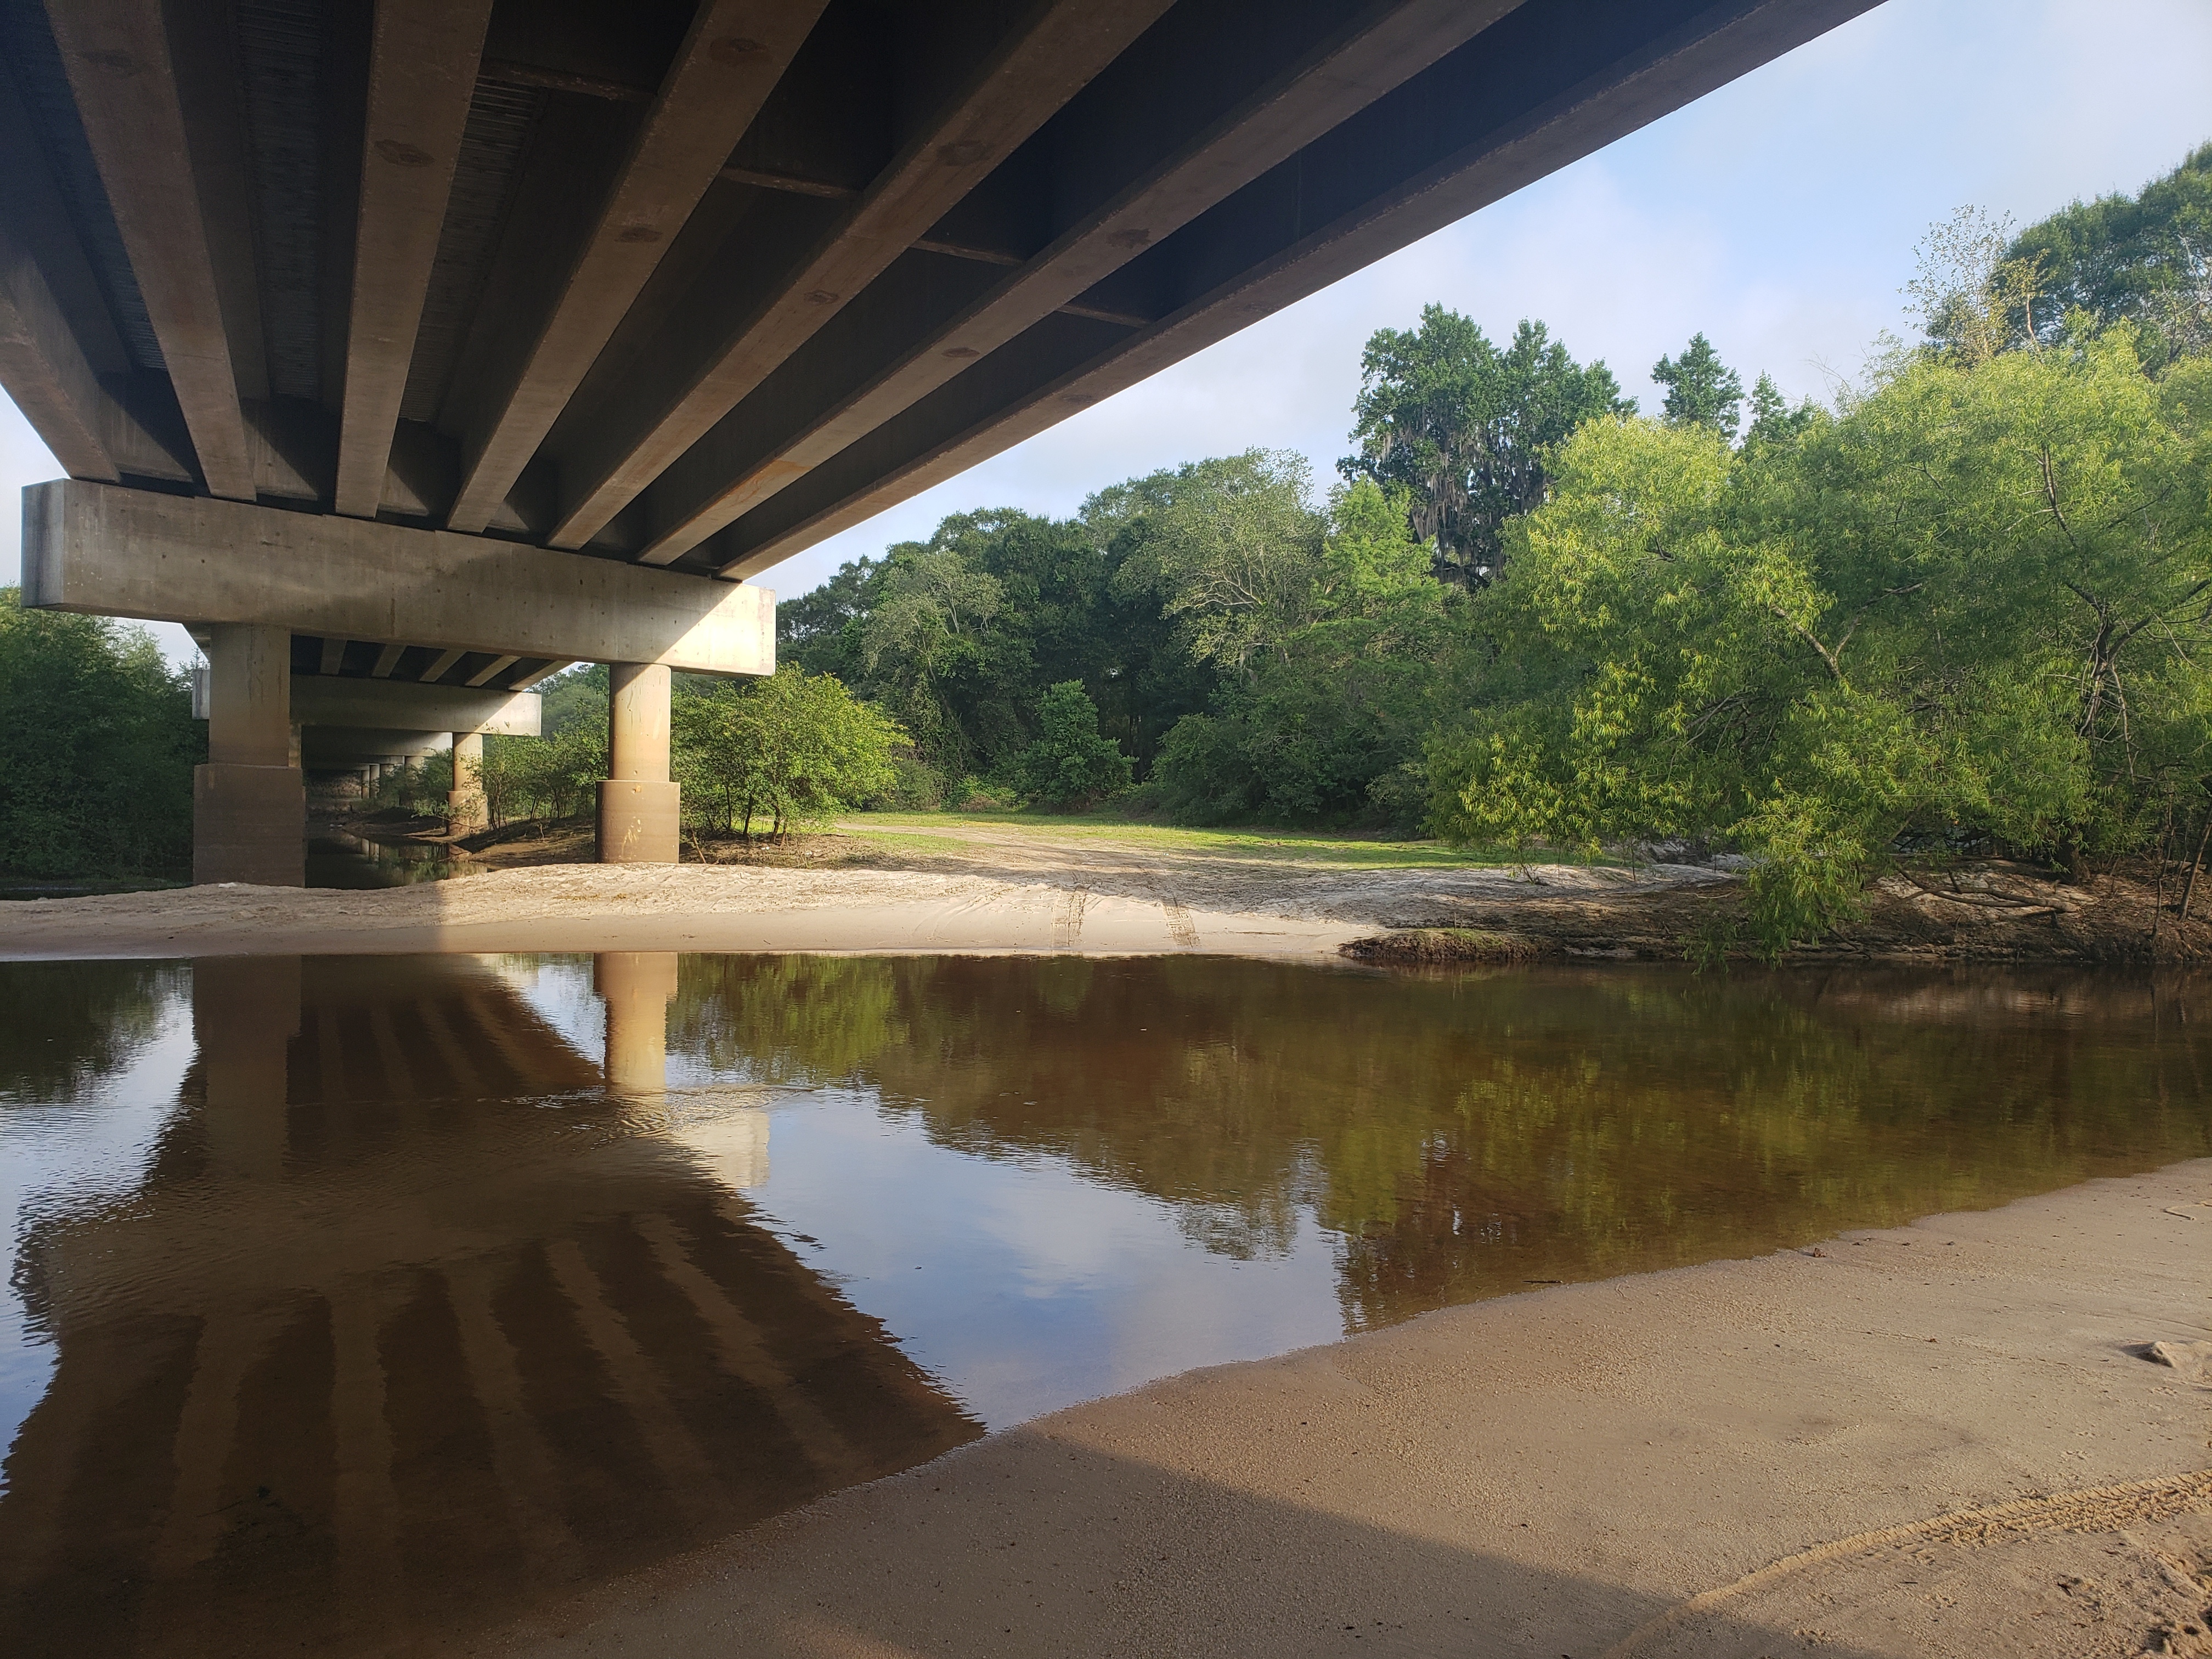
638, 806
249, 804
635, 986
465, 802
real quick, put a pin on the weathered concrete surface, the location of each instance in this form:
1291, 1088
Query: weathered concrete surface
114, 551
405, 706
249, 825
249, 802
639, 810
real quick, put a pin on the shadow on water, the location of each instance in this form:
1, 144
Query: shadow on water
418, 1311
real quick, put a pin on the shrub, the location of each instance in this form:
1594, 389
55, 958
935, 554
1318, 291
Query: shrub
1071, 763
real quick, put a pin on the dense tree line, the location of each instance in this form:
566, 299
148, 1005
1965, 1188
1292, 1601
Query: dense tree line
1967, 601
97, 747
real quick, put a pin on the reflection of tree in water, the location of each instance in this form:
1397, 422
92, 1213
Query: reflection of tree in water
71, 1025
1467, 1134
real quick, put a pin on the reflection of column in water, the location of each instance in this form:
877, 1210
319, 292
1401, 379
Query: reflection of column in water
635, 986
246, 1011
731, 1144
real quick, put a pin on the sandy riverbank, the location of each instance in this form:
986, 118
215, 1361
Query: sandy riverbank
1101, 902
926, 883
1561, 1472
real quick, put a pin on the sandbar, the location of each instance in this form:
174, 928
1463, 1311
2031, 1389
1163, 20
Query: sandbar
1936, 1440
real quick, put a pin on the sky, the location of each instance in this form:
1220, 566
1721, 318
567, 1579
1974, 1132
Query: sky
1777, 216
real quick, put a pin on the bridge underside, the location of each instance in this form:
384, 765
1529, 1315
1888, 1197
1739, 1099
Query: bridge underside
641, 298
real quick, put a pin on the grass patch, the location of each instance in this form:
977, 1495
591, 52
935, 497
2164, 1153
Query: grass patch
893, 840
1256, 845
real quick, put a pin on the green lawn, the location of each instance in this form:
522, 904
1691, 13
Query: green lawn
921, 832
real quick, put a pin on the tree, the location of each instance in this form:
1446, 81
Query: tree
1772, 420
1976, 599
790, 747
97, 747
922, 646
819, 630
1234, 556
1973, 300
1701, 390
1071, 764
1321, 723
1465, 428
2139, 258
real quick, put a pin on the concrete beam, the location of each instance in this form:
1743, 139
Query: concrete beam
402, 705
735, 53
422, 72
119, 552
61, 358
1048, 59
117, 55
330, 748
1131, 180
1548, 83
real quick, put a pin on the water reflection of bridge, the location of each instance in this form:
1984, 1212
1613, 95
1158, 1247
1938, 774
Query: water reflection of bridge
411, 1318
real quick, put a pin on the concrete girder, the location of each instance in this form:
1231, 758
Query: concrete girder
422, 75
1138, 188
121, 552
1033, 73
928, 232
736, 51
404, 705
333, 748
1473, 128
121, 71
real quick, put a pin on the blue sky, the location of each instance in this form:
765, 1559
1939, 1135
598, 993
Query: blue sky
1777, 215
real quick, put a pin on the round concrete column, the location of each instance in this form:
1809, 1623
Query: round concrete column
635, 986
249, 804
638, 806
465, 802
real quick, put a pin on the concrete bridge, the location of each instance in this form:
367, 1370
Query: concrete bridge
444, 342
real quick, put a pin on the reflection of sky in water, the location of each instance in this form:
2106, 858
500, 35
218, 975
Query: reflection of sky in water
1020, 1284
1025, 1287
71, 1154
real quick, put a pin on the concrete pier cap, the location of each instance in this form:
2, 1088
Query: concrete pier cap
380, 640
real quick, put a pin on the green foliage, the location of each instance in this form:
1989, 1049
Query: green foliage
420, 786
2139, 258
1464, 428
1071, 764
1701, 389
1338, 693
97, 747
1974, 599
792, 747
1233, 557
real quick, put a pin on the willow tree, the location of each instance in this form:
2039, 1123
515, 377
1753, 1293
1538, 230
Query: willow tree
1978, 597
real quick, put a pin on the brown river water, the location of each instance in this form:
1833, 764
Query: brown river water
363, 1303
